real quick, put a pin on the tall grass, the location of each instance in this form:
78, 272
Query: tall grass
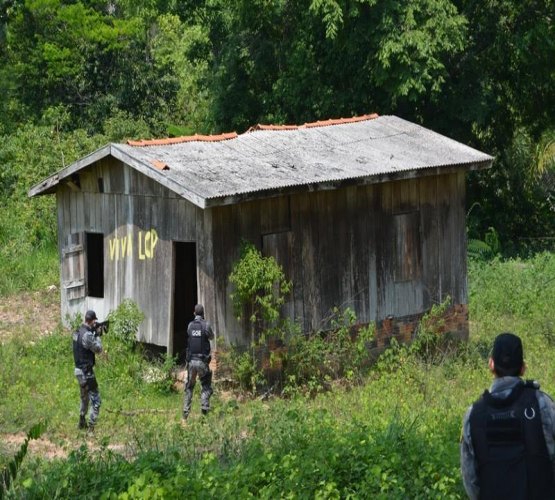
25, 271
394, 436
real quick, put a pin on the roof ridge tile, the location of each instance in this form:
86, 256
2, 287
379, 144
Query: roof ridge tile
188, 138
232, 135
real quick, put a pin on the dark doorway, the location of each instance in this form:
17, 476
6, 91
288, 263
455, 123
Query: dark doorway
95, 264
184, 294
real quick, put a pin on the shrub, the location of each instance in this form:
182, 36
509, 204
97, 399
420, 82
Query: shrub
260, 287
9, 472
125, 321
287, 359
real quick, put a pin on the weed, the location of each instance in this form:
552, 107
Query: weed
393, 435
124, 322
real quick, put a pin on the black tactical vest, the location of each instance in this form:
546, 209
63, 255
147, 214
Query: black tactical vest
84, 358
508, 439
198, 344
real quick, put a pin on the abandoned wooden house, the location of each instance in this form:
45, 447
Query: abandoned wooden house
366, 213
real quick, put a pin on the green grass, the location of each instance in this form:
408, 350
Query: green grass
28, 271
394, 436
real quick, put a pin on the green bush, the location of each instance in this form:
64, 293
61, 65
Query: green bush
124, 322
394, 435
317, 358
291, 361
260, 287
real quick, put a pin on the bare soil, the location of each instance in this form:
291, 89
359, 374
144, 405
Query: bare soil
45, 448
22, 311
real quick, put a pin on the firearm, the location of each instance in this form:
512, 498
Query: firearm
101, 327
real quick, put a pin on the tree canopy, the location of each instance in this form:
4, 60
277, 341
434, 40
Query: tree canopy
479, 72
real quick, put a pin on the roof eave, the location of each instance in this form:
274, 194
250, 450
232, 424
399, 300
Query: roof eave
158, 176
218, 201
48, 185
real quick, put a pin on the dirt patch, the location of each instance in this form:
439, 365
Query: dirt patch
30, 310
44, 448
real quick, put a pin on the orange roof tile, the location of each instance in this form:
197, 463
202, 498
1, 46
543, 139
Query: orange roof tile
322, 123
339, 121
160, 165
272, 127
189, 138
233, 135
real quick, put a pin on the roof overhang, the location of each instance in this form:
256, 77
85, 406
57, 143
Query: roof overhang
50, 184
211, 171
331, 185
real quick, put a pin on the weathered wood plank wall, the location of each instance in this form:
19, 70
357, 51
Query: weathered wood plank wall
139, 220
390, 249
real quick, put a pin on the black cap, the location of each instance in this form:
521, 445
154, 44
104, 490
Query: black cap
507, 351
90, 315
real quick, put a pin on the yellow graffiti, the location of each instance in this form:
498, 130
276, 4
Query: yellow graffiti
146, 251
122, 247
126, 244
114, 248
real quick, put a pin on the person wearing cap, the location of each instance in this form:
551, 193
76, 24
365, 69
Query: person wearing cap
199, 335
86, 343
508, 436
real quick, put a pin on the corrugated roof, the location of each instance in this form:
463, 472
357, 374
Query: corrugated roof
267, 161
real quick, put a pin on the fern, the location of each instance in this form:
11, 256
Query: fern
478, 249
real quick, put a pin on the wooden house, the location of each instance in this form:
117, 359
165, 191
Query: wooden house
366, 213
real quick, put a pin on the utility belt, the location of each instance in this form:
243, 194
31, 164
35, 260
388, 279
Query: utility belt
87, 370
205, 358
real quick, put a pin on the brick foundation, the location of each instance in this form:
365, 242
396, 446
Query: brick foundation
454, 322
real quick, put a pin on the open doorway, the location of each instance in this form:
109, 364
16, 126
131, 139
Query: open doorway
95, 264
184, 293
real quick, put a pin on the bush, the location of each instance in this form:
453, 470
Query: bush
124, 322
260, 287
286, 359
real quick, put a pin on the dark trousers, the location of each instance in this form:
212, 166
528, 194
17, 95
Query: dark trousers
200, 369
88, 388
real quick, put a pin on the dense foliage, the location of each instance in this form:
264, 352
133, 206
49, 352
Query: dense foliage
392, 434
75, 74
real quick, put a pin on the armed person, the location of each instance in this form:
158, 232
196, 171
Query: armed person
507, 443
199, 335
87, 343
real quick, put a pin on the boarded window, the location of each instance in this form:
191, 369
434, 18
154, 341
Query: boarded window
95, 264
73, 269
407, 246
275, 216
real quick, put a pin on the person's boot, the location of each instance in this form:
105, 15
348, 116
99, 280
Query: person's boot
82, 422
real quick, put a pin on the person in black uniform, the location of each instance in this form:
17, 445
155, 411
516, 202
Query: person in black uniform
508, 438
199, 335
86, 343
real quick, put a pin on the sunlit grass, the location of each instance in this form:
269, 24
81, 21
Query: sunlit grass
394, 436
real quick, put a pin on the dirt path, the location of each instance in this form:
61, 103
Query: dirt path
21, 311
45, 448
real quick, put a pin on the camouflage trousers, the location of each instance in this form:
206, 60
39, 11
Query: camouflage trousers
88, 387
200, 369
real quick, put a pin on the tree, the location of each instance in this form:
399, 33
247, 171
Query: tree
84, 58
296, 61
499, 97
